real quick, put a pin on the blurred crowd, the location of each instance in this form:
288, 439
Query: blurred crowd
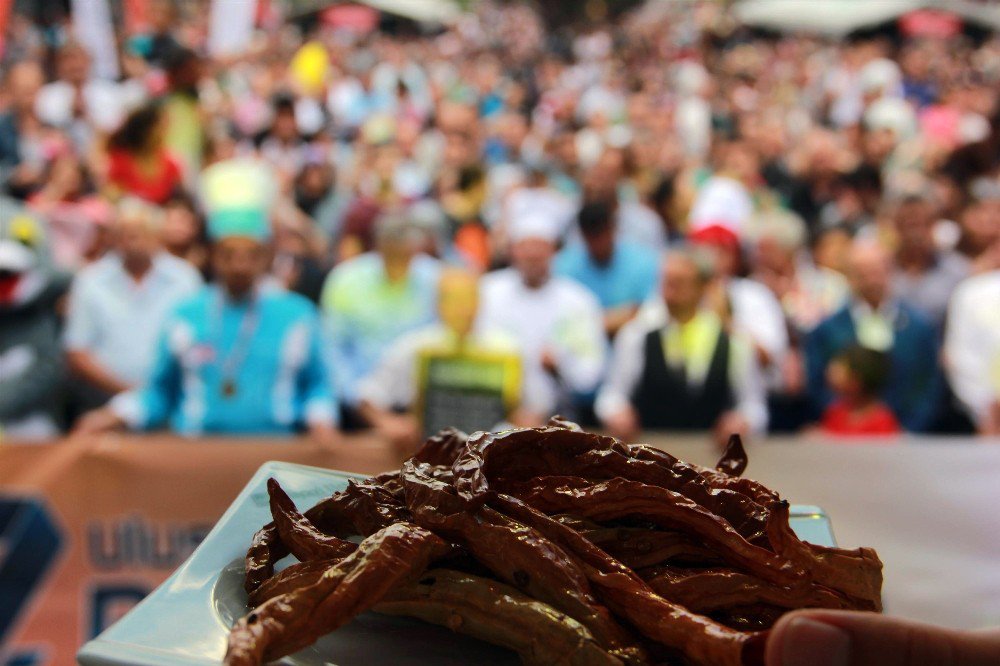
671, 221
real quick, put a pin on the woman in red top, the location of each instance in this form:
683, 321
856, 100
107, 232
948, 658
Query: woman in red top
856, 377
138, 162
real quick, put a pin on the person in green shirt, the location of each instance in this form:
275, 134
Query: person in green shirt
369, 301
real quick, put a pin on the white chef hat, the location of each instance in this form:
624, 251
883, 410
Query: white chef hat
533, 225
892, 113
721, 202
880, 74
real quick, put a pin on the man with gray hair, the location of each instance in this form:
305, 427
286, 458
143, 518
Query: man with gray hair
877, 319
924, 275
117, 305
682, 370
371, 300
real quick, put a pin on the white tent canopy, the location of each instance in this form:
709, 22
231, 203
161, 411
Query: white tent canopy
424, 11
429, 11
836, 18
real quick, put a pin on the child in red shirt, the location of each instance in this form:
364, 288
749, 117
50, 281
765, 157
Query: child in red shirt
856, 377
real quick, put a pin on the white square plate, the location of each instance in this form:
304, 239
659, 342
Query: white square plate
186, 620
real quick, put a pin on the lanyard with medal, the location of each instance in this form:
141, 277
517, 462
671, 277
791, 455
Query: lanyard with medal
233, 361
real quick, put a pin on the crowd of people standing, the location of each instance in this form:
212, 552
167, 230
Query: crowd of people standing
669, 220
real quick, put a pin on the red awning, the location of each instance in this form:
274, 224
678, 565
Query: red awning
357, 18
930, 23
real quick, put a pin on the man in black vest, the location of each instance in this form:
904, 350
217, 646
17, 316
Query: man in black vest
678, 368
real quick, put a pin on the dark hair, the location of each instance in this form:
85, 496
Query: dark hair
177, 58
134, 132
864, 177
283, 102
871, 367
182, 199
470, 176
596, 217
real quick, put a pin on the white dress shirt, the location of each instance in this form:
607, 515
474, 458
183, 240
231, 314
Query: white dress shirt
628, 360
972, 343
562, 317
757, 317
118, 320
394, 382
757, 314
102, 99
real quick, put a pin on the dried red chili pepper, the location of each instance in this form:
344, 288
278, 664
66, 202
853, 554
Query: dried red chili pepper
620, 498
523, 454
760, 494
291, 621
290, 579
698, 637
708, 590
500, 614
362, 509
638, 548
856, 573
734, 460
514, 553
617, 507
300, 536
443, 448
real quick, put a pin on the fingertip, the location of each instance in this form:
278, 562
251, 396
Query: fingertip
772, 652
803, 639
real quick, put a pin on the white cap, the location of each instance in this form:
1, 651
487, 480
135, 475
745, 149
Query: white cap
892, 113
533, 225
689, 77
723, 202
880, 74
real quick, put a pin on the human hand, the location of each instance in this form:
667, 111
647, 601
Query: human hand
793, 372
730, 423
97, 422
402, 431
26, 174
525, 418
990, 424
844, 638
549, 363
615, 318
624, 424
325, 435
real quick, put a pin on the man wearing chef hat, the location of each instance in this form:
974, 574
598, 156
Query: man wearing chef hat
556, 321
239, 357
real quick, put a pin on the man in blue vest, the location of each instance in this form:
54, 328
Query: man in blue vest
241, 357
875, 319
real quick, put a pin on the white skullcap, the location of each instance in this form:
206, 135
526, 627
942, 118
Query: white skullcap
894, 114
780, 225
722, 202
689, 77
533, 225
880, 74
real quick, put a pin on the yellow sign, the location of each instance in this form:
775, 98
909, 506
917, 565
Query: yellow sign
469, 389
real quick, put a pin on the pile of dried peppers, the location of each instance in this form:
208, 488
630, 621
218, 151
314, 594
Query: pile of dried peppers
565, 546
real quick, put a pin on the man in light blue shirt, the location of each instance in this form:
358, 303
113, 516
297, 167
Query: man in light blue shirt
239, 357
118, 304
620, 272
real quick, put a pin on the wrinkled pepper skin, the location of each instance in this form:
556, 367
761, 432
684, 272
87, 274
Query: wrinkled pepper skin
567, 547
